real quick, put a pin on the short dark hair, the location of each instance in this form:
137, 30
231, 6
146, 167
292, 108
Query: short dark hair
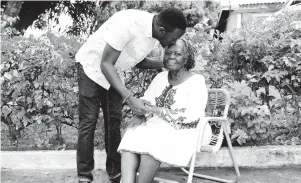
172, 18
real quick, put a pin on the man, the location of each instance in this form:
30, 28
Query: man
120, 43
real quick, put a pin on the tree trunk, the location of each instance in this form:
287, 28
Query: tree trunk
14, 133
267, 95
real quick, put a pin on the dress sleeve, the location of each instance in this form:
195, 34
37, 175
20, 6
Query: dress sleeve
191, 105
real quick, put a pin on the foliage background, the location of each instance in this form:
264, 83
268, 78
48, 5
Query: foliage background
259, 64
264, 61
39, 87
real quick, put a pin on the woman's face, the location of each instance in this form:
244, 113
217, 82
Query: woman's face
175, 57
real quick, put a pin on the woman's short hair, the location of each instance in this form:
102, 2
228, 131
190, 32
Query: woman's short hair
189, 50
172, 18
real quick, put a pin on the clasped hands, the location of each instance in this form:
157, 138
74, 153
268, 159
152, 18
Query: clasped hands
140, 107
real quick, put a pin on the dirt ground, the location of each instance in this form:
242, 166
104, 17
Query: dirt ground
271, 175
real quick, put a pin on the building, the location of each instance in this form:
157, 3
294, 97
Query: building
236, 13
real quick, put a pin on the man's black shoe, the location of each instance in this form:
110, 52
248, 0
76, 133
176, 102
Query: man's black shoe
117, 180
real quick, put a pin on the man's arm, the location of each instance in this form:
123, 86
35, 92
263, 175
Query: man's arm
108, 60
150, 63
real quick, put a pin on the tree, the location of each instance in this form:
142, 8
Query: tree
87, 16
27, 11
13, 8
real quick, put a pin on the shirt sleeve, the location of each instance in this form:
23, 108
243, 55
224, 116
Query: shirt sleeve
118, 31
194, 107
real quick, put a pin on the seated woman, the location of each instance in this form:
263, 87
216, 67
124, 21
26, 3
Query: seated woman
178, 99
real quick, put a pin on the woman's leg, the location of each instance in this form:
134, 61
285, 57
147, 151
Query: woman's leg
148, 169
129, 166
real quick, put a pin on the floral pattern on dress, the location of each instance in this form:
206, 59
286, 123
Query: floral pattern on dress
192, 124
166, 100
182, 110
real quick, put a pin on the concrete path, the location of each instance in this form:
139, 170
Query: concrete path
262, 156
248, 175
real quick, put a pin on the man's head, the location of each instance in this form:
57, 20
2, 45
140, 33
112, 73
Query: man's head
169, 25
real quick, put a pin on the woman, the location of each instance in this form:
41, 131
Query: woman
178, 99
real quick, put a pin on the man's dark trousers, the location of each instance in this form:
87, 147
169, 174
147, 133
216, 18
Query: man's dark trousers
91, 97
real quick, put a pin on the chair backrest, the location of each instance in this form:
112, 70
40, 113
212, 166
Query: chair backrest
217, 106
218, 103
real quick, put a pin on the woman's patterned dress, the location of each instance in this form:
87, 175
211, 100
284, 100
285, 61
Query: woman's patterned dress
171, 140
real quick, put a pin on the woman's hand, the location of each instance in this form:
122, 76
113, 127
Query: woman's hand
157, 110
154, 109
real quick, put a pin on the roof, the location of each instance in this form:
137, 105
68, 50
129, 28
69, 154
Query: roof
247, 2
250, 2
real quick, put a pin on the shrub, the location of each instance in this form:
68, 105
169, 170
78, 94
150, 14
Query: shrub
39, 83
264, 60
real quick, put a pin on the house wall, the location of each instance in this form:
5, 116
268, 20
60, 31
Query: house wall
234, 21
248, 17
243, 14
238, 19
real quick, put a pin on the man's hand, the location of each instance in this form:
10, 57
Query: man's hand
137, 106
146, 102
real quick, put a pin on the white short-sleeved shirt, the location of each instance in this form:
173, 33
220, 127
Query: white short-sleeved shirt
128, 31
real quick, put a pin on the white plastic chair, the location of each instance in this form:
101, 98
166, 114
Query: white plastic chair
216, 114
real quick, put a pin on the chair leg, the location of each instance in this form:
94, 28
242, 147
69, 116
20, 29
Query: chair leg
231, 151
191, 169
190, 173
207, 177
